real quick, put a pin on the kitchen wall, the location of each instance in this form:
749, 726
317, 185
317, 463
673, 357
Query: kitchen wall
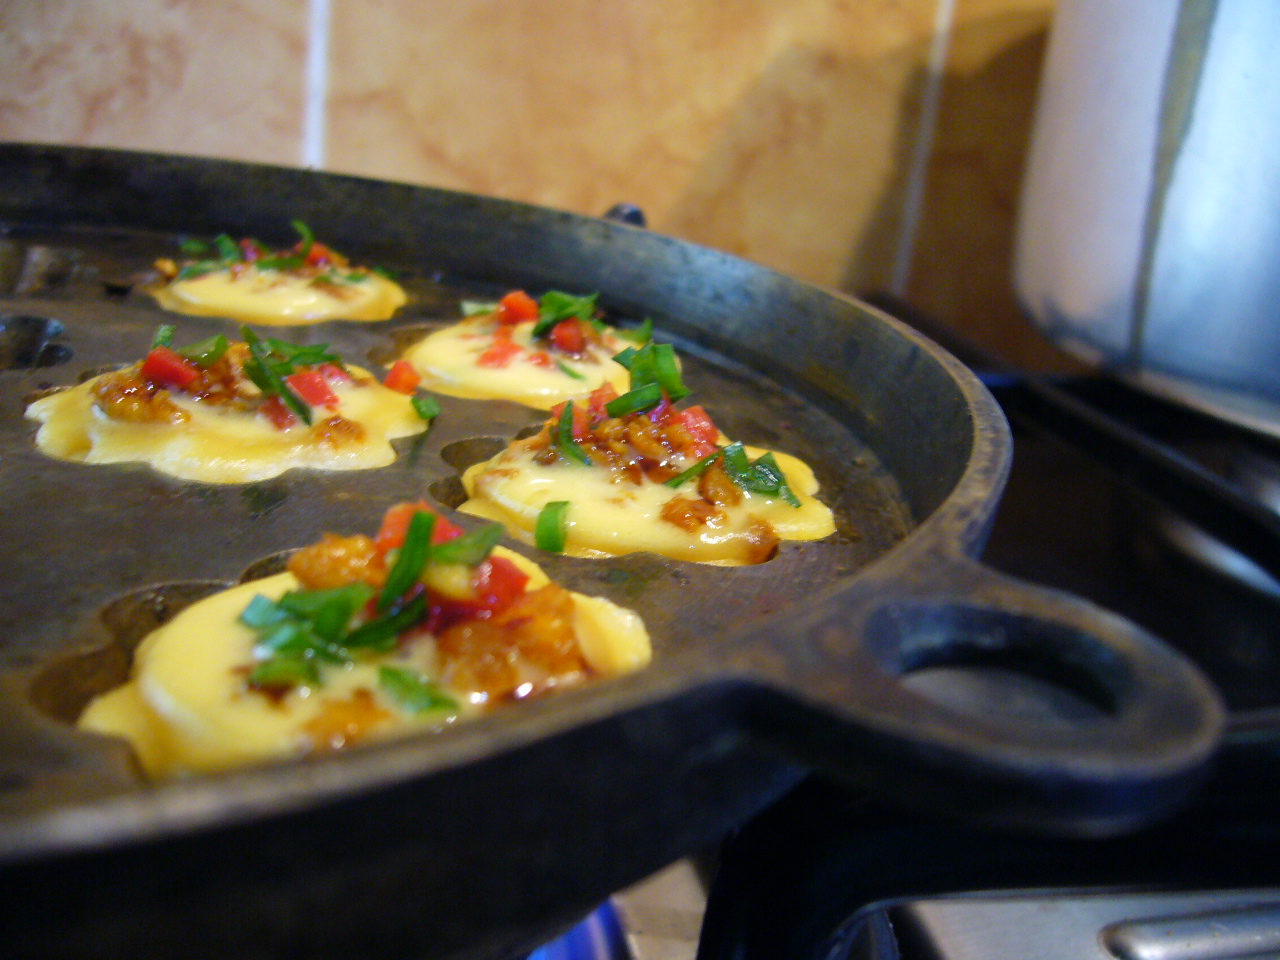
861, 144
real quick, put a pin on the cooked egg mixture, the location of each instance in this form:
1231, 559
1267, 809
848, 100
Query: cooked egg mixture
608, 518
224, 445
186, 708
276, 298
447, 359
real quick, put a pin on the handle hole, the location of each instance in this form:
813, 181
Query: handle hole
985, 661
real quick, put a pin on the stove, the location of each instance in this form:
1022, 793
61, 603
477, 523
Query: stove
1162, 514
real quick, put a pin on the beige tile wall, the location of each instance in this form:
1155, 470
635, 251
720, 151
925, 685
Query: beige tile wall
868, 144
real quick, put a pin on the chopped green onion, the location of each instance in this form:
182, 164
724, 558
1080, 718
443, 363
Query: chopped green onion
556, 305
192, 247
633, 401
228, 249
472, 548
329, 610
302, 354
411, 559
569, 371
552, 527
736, 464
428, 408
285, 672
413, 691
163, 337
565, 443
473, 308
262, 612
268, 374
771, 480
381, 634
190, 271
625, 358
638, 335
667, 371
695, 471
308, 238
207, 352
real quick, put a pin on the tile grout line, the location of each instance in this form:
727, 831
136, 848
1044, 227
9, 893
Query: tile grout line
315, 88
922, 148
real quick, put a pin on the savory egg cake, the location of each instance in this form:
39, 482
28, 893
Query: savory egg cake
612, 474
362, 638
220, 411
250, 283
534, 352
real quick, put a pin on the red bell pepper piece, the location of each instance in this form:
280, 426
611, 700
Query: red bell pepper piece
402, 378
313, 388
540, 358
516, 307
166, 368
500, 354
497, 583
699, 426
568, 336
278, 412
600, 396
395, 523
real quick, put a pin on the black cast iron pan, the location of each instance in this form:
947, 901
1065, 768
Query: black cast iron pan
886, 657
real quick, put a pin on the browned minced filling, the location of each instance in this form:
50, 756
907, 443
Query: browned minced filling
523, 649
634, 449
127, 395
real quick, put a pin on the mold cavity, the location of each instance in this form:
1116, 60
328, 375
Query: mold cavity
32, 269
449, 492
65, 686
267, 566
525, 432
28, 342
400, 340
983, 661
467, 453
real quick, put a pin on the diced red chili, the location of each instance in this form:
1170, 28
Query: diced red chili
319, 255
396, 523
313, 388
540, 358
164, 367
600, 396
499, 355
278, 412
568, 336
698, 424
497, 583
516, 307
402, 378
581, 420
334, 373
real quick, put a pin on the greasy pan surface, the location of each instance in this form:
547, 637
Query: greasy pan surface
883, 655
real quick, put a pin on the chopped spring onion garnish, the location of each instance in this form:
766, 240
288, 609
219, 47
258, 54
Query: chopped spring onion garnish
285, 672
381, 634
291, 261
638, 335
552, 527
761, 476
568, 371
228, 249
413, 691
696, 470
164, 336
654, 364
565, 443
192, 247
426, 407
556, 305
471, 549
410, 561
475, 308
207, 352
267, 371
633, 401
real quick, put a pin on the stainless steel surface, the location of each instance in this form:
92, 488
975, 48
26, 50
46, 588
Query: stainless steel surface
1150, 220
1083, 925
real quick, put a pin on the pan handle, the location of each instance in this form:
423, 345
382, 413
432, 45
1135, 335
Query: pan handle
950, 686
